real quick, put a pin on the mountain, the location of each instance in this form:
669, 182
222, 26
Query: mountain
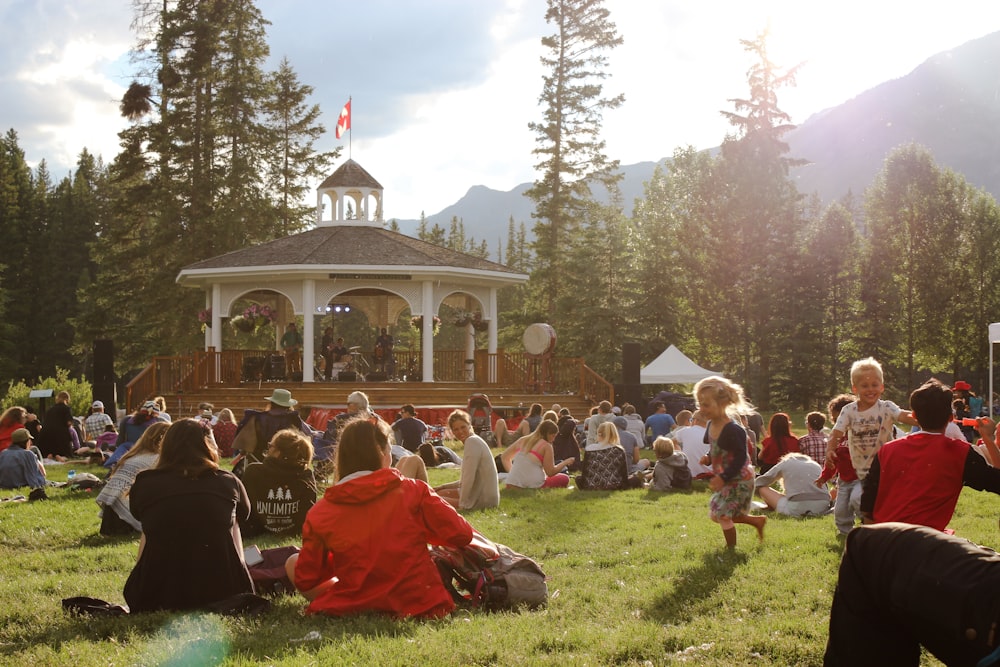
950, 104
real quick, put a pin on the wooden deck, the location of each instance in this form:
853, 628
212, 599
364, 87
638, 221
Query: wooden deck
381, 395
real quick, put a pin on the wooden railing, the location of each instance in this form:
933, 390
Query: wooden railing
171, 375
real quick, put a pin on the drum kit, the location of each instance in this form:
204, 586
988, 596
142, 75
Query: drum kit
353, 362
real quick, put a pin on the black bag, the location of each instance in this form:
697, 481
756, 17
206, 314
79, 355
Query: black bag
494, 576
84, 606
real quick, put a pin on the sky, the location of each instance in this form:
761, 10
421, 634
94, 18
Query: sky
443, 90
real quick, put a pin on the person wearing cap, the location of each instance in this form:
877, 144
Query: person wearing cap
258, 427
94, 423
20, 467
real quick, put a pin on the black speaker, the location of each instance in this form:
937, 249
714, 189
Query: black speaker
377, 376
107, 393
629, 393
276, 367
347, 376
104, 360
630, 363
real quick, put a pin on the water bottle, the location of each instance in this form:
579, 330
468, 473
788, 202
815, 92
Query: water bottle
70, 475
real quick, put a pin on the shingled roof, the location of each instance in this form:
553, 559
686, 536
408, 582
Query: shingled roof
346, 246
350, 174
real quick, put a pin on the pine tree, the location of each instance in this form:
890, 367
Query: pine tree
568, 139
753, 238
292, 160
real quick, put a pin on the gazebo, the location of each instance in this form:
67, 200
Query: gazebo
350, 258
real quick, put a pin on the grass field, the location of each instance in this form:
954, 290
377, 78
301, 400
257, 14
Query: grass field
636, 578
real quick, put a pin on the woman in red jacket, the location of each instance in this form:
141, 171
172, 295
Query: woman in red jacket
779, 441
364, 544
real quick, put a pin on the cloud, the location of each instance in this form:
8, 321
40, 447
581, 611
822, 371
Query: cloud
53, 85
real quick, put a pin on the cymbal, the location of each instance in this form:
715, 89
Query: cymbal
354, 347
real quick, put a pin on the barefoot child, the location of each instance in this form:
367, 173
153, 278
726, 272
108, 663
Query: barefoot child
719, 400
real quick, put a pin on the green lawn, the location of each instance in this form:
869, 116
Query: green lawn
637, 578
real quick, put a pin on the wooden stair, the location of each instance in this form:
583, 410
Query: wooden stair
389, 395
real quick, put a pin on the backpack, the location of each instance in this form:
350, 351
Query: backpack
494, 576
682, 478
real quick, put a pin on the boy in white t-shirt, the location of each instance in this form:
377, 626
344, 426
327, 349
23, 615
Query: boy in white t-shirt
869, 421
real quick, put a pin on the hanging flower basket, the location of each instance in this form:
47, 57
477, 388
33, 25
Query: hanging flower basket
417, 323
253, 318
465, 318
205, 317
243, 324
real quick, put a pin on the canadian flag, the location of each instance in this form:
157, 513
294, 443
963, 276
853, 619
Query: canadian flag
344, 122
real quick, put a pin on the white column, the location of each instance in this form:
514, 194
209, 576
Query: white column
427, 335
216, 306
492, 334
308, 327
470, 352
492, 344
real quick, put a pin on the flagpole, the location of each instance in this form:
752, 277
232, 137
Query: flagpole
350, 137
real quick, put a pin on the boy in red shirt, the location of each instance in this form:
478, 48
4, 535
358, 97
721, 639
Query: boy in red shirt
917, 479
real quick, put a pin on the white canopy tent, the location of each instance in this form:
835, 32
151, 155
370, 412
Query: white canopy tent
673, 367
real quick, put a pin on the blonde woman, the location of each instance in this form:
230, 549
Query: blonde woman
605, 465
531, 461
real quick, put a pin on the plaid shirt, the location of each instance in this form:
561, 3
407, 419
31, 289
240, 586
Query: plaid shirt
94, 424
814, 446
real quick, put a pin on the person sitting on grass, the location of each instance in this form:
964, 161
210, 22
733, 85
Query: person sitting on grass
438, 455
918, 478
565, 446
478, 487
671, 469
779, 441
116, 517
20, 467
12, 419
531, 463
191, 549
364, 544
282, 487
801, 497
605, 465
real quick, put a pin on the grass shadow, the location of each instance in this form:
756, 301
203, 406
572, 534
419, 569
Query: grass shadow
256, 637
693, 587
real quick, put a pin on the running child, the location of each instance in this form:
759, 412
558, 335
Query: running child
719, 401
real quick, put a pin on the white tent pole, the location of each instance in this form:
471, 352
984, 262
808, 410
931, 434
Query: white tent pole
994, 335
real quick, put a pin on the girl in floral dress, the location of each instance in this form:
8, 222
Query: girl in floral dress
719, 400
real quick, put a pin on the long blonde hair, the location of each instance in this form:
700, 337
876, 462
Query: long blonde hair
546, 428
610, 433
725, 392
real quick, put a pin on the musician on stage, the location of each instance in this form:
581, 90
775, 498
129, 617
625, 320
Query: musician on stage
384, 361
291, 345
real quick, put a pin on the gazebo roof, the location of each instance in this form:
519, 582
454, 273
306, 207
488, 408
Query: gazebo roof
350, 174
344, 247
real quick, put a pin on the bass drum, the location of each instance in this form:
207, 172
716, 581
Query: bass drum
539, 338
